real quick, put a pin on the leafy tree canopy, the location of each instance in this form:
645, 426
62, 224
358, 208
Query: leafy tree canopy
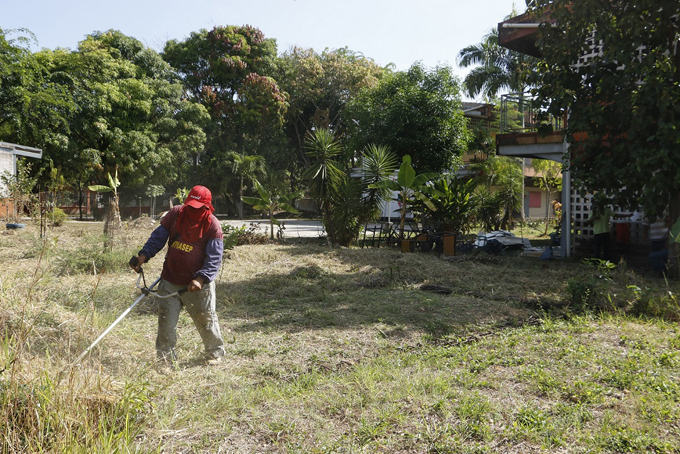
625, 96
415, 112
128, 113
228, 70
33, 105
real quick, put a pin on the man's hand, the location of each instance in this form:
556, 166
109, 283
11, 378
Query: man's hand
137, 266
196, 284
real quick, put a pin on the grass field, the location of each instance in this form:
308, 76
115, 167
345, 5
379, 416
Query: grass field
337, 350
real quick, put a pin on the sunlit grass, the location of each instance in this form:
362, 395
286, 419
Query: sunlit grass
338, 350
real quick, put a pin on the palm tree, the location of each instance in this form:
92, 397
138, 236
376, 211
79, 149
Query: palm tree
498, 68
323, 174
378, 163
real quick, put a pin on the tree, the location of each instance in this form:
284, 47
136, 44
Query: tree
18, 188
13, 82
228, 70
244, 168
153, 191
319, 87
623, 100
358, 199
504, 176
34, 106
129, 114
416, 113
377, 164
347, 202
324, 174
488, 208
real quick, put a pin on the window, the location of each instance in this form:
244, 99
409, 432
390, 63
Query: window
534, 200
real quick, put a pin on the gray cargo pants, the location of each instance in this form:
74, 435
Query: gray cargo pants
200, 306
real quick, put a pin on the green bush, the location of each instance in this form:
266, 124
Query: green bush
230, 235
592, 289
57, 217
652, 303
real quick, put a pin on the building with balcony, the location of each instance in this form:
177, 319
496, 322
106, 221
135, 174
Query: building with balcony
523, 139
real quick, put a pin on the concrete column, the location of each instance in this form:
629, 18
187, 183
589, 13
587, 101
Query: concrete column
565, 243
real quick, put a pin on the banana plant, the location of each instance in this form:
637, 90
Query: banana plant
409, 186
112, 219
271, 202
112, 187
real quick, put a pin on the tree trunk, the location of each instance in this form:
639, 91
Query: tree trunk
239, 205
403, 217
328, 224
674, 246
271, 224
80, 201
112, 222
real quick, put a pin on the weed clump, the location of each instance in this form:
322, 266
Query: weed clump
45, 416
239, 236
650, 302
603, 287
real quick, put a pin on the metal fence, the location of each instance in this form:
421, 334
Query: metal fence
519, 115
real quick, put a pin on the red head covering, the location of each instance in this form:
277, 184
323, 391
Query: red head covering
198, 197
193, 220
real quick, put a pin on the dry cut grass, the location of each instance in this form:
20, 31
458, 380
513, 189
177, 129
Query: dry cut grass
335, 350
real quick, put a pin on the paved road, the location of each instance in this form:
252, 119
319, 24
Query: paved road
294, 228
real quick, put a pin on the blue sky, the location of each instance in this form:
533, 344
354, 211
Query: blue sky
388, 31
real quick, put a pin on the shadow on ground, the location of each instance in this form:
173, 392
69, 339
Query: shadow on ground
366, 287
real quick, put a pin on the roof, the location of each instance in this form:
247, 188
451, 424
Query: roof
520, 33
477, 109
20, 150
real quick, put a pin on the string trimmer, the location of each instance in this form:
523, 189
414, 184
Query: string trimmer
146, 291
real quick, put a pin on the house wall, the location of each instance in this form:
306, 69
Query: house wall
6, 165
539, 202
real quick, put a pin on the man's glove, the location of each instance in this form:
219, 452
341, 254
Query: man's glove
136, 264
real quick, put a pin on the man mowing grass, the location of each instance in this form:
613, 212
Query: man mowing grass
194, 238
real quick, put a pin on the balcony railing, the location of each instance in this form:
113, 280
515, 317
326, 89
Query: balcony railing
518, 115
